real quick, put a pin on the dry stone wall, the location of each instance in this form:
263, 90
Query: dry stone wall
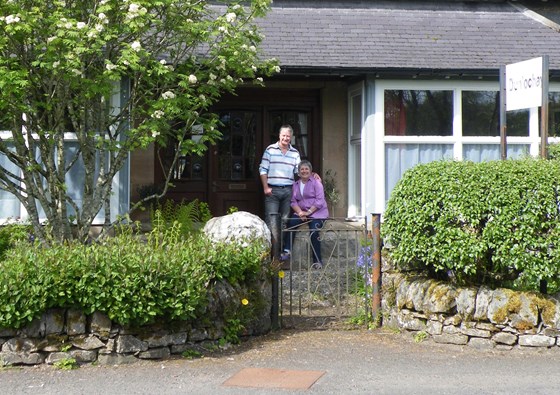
479, 317
61, 334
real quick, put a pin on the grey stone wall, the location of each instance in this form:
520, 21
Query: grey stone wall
479, 317
68, 333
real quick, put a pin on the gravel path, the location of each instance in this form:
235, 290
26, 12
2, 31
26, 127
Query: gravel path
354, 361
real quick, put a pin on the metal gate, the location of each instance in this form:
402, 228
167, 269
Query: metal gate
338, 293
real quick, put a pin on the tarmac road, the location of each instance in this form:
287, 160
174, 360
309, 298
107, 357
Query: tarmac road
354, 362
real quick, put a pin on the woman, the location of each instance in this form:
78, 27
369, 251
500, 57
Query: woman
309, 205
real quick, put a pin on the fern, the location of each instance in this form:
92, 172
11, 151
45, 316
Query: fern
189, 216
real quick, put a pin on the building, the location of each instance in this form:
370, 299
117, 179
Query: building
371, 88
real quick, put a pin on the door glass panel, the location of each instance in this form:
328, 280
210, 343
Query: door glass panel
237, 148
299, 121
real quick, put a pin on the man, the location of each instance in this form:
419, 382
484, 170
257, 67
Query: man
277, 169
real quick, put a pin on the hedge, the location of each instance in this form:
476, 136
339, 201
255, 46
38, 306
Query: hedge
494, 223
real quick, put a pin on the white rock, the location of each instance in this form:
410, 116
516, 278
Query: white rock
239, 227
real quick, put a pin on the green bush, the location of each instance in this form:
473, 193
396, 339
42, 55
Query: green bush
10, 234
494, 223
133, 281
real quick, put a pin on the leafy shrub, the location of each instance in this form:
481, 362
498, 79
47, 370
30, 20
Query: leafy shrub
495, 223
10, 234
134, 282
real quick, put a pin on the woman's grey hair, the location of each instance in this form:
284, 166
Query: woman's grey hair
305, 163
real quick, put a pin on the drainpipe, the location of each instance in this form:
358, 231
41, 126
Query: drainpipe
376, 270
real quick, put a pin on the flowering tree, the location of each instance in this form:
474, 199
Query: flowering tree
64, 63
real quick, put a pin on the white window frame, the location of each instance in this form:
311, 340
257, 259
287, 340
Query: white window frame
374, 140
119, 191
355, 190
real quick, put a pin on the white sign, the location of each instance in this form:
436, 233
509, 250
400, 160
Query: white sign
524, 84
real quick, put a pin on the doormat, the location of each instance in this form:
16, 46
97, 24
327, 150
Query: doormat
274, 378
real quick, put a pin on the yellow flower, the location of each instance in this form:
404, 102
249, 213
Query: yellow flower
281, 274
244, 302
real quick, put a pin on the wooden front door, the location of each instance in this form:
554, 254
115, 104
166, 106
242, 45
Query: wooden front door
228, 175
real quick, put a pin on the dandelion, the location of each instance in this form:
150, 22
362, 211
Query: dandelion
244, 302
281, 274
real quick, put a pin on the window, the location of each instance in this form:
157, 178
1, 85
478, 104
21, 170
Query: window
413, 122
355, 120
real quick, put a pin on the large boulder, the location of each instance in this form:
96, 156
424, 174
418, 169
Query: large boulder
240, 226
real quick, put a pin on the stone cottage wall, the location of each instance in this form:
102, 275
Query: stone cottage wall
68, 333
479, 317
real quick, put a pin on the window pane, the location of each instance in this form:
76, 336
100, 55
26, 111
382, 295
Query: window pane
356, 126
480, 113
9, 205
401, 157
553, 114
418, 113
486, 152
517, 123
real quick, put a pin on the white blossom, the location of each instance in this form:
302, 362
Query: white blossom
51, 39
158, 114
56, 64
202, 97
12, 19
80, 25
192, 79
212, 77
168, 95
163, 62
133, 8
99, 27
136, 46
260, 79
252, 48
222, 29
103, 18
155, 133
230, 17
277, 69
110, 66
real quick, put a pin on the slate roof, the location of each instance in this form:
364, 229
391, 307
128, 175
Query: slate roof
473, 36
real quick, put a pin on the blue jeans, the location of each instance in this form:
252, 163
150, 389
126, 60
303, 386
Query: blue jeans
315, 226
277, 207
